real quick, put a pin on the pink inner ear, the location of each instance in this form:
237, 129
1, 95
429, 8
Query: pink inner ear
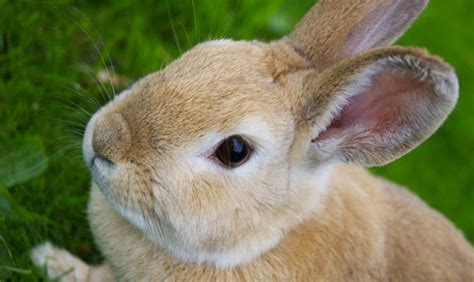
383, 106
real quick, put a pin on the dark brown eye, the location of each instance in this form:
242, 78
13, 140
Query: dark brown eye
233, 152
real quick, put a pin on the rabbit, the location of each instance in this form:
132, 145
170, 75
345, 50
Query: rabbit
245, 160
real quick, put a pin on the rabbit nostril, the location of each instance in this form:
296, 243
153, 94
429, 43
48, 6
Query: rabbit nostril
111, 137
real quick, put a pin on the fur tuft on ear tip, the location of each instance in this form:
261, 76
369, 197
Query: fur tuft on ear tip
446, 82
430, 69
380, 105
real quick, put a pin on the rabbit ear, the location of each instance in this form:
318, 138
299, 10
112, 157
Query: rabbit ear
336, 29
372, 108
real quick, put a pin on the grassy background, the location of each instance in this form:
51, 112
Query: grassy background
50, 52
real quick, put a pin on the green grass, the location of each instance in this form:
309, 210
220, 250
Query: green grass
50, 50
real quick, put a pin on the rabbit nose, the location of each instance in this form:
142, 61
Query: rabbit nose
111, 137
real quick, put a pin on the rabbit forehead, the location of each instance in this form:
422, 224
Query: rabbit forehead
224, 59
211, 88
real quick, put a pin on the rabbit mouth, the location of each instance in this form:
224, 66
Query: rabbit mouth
101, 163
98, 169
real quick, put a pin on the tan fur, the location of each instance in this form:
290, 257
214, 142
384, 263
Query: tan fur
370, 230
163, 208
325, 43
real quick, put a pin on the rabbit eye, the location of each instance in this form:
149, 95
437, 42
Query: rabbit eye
233, 152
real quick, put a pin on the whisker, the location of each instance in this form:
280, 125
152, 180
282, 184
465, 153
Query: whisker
196, 29
108, 56
75, 106
91, 101
209, 35
190, 43
99, 84
94, 45
75, 89
231, 19
172, 27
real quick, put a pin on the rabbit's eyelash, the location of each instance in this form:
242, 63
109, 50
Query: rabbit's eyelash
254, 130
254, 146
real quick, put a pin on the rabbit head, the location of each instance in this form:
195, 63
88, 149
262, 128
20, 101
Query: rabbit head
214, 157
